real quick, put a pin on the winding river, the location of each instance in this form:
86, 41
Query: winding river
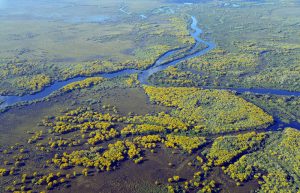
143, 75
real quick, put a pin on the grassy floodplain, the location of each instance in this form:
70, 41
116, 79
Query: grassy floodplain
104, 139
181, 133
41, 48
257, 46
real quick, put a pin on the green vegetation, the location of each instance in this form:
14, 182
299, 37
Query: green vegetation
128, 43
133, 80
225, 149
260, 54
34, 83
210, 111
239, 170
188, 144
116, 135
82, 84
287, 108
276, 165
87, 142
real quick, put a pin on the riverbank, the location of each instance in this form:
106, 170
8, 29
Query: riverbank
143, 75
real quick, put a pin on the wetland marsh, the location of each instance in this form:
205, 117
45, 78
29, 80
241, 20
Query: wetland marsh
149, 96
